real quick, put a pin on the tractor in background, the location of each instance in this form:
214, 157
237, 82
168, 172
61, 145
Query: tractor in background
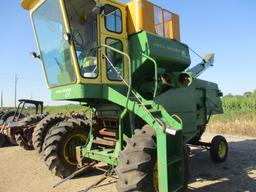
18, 126
127, 64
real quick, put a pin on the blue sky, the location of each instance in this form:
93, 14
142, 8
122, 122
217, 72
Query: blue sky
227, 28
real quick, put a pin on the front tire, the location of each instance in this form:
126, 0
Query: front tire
137, 170
137, 160
59, 149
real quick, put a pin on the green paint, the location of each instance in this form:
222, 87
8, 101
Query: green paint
173, 112
169, 54
76, 92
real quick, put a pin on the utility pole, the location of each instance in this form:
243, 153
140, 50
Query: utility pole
2, 100
15, 91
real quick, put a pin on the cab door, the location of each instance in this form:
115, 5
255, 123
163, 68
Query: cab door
113, 33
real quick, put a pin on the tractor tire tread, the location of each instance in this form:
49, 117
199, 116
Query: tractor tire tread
52, 147
21, 140
42, 128
135, 162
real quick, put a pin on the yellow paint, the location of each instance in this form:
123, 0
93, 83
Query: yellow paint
77, 138
174, 27
72, 48
141, 17
222, 149
29, 4
37, 5
96, 80
104, 34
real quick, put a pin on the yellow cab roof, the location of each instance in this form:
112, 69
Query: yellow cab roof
29, 4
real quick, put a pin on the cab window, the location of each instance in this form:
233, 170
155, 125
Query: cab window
115, 61
54, 50
83, 24
113, 19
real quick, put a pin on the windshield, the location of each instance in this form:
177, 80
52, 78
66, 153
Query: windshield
83, 24
54, 50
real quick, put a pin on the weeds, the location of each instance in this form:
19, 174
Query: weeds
239, 117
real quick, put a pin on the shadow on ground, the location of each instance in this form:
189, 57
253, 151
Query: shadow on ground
237, 174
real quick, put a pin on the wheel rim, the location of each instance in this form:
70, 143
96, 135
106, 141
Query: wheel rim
222, 149
155, 177
70, 147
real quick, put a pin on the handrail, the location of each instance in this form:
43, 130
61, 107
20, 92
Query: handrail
166, 129
129, 68
156, 75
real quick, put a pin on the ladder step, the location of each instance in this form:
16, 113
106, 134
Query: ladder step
109, 138
104, 142
108, 132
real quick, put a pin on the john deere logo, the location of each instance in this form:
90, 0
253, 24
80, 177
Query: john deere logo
65, 92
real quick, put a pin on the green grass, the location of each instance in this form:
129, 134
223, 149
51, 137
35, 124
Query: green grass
64, 109
56, 109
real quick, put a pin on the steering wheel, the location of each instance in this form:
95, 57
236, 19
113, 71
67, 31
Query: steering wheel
78, 39
90, 50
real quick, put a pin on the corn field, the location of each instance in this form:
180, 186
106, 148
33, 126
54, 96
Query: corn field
239, 117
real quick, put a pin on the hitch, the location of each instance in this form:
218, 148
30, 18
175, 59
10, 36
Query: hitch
107, 174
79, 171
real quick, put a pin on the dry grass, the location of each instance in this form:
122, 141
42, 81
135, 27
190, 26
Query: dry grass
238, 123
236, 127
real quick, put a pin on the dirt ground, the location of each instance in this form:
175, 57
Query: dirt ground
24, 171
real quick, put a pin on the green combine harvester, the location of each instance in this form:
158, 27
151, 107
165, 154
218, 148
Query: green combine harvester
124, 62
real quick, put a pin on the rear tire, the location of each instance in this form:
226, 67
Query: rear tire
7, 117
59, 151
219, 149
42, 129
24, 138
20, 140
